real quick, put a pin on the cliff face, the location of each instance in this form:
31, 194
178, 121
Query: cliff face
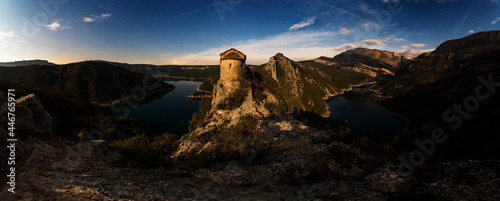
369, 61
475, 51
289, 74
483, 39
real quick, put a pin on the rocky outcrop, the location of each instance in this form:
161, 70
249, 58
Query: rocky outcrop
296, 153
289, 74
481, 39
31, 118
299, 86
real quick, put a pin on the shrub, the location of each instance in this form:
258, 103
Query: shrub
146, 151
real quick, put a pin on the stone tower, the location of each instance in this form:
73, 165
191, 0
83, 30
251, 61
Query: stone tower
232, 65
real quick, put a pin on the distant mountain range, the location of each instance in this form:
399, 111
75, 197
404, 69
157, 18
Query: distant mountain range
26, 63
375, 63
171, 71
472, 44
95, 82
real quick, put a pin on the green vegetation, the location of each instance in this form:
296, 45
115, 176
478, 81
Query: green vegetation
132, 137
205, 89
235, 100
147, 150
198, 119
234, 142
208, 85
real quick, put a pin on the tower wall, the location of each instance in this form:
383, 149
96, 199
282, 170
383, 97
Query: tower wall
231, 69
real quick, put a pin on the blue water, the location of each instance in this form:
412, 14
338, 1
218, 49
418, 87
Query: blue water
365, 118
169, 112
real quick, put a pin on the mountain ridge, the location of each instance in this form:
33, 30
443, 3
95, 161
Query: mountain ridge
486, 38
93, 82
374, 62
26, 62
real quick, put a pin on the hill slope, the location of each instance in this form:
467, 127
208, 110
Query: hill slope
26, 63
430, 67
487, 39
171, 71
305, 86
437, 83
369, 61
94, 82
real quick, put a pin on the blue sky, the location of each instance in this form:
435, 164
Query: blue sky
197, 31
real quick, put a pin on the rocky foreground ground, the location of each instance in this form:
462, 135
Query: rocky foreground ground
58, 169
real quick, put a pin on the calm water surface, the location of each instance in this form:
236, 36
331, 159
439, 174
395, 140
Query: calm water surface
366, 118
169, 112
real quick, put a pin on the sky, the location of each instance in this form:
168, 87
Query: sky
197, 31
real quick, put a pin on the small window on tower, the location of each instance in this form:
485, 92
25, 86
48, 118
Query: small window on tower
230, 66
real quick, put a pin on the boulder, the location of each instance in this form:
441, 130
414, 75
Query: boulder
31, 118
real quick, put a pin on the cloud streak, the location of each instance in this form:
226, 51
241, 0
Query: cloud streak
9, 34
303, 24
495, 21
55, 26
414, 50
345, 31
94, 18
398, 39
363, 44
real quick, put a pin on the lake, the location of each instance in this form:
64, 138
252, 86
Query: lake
366, 118
170, 112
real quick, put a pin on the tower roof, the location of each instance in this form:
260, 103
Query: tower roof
233, 54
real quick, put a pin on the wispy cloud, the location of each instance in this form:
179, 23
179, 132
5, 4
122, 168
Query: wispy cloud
55, 26
398, 39
345, 31
495, 21
303, 24
9, 34
373, 42
414, 50
471, 32
364, 44
94, 18
88, 19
